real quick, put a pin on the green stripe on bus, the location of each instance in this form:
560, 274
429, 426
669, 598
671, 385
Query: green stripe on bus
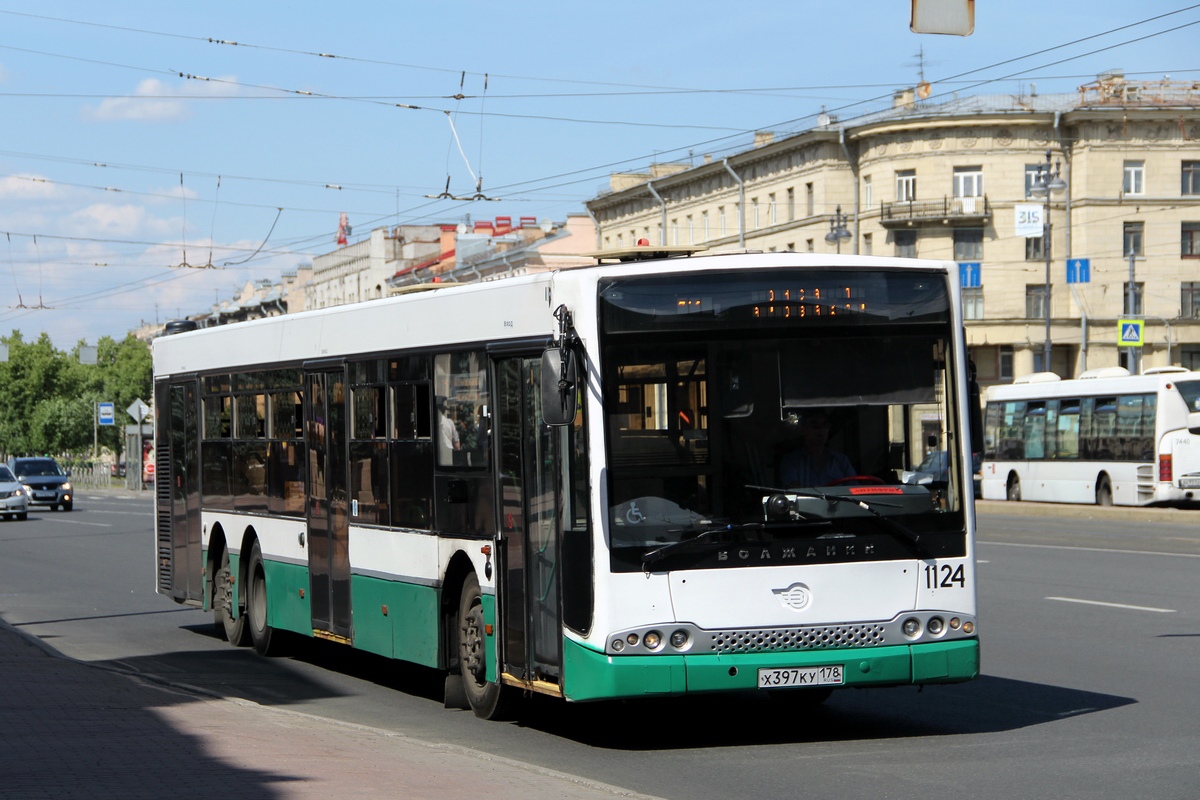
590, 675
395, 619
288, 607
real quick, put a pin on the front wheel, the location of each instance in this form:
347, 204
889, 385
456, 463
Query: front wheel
488, 700
68, 506
262, 635
1014, 489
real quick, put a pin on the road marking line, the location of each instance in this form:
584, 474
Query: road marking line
75, 522
1113, 605
1093, 549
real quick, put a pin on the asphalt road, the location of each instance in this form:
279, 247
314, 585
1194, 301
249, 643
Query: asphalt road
1090, 623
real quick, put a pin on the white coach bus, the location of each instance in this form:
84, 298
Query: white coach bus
573, 483
1107, 438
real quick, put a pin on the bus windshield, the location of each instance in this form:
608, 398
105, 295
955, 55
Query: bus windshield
780, 414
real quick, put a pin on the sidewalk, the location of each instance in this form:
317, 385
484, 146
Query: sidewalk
73, 730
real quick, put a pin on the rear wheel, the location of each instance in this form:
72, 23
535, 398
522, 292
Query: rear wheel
1014, 489
262, 635
488, 700
234, 630
1104, 491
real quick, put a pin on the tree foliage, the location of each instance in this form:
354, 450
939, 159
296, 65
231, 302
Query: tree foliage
48, 398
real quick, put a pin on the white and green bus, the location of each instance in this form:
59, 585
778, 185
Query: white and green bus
572, 483
1107, 437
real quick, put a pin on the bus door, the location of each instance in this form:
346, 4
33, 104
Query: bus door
529, 537
328, 523
179, 490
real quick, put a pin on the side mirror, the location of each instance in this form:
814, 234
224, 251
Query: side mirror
559, 386
1193, 422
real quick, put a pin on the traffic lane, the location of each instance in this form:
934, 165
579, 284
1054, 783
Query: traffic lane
1170, 530
1114, 623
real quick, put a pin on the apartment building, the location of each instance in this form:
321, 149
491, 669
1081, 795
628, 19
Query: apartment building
959, 178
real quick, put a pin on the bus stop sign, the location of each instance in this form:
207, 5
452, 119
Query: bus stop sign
106, 414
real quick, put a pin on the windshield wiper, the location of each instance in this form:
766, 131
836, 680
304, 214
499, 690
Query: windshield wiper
911, 537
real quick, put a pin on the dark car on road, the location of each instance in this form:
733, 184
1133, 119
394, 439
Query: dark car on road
45, 482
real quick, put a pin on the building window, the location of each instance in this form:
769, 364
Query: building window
1035, 301
1189, 357
690, 230
906, 185
1133, 244
1189, 300
754, 213
972, 301
1138, 291
674, 231
968, 244
1033, 249
1006, 362
868, 193
808, 245
620, 241
968, 181
772, 212
1190, 234
1134, 182
867, 245
906, 244
791, 203
721, 220
704, 225
1190, 175
809, 199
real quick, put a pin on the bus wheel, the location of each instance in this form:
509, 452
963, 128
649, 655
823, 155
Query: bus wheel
1104, 491
487, 700
262, 635
1014, 489
234, 630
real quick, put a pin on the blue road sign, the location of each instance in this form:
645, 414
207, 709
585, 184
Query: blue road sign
970, 275
106, 414
1079, 270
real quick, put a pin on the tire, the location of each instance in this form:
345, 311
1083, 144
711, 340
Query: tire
1104, 491
1014, 489
23, 515
487, 700
232, 630
68, 506
262, 635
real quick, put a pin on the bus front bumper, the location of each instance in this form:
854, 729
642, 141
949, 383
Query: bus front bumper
589, 675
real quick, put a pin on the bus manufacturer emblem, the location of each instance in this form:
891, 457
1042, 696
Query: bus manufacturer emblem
796, 597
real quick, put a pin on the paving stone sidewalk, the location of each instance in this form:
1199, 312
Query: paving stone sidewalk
72, 730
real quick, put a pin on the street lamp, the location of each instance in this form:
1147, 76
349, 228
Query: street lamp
1048, 181
837, 230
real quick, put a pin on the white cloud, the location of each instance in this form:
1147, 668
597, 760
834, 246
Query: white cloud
27, 187
156, 101
107, 219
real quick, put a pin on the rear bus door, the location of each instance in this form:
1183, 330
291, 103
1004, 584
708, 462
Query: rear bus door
325, 434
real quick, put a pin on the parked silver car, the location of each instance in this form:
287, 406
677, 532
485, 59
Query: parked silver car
14, 501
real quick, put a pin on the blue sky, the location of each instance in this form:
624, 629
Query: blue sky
136, 138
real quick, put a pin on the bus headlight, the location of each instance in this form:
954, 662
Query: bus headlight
652, 640
618, 645
679, 639
911, 627
936, 626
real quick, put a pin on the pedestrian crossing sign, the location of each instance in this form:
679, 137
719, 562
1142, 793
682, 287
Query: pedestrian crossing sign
1130, 332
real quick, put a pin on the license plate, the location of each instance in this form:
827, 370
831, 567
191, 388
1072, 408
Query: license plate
44, 495
1189, 483
799, 677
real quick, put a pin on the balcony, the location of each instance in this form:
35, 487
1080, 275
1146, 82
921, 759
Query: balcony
966, 211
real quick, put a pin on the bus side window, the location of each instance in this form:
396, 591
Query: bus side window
1067, 434
1035, 430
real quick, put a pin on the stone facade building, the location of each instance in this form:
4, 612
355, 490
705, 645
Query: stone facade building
949, 180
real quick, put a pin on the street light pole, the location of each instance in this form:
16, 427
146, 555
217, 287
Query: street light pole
837, 230
1047, 182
